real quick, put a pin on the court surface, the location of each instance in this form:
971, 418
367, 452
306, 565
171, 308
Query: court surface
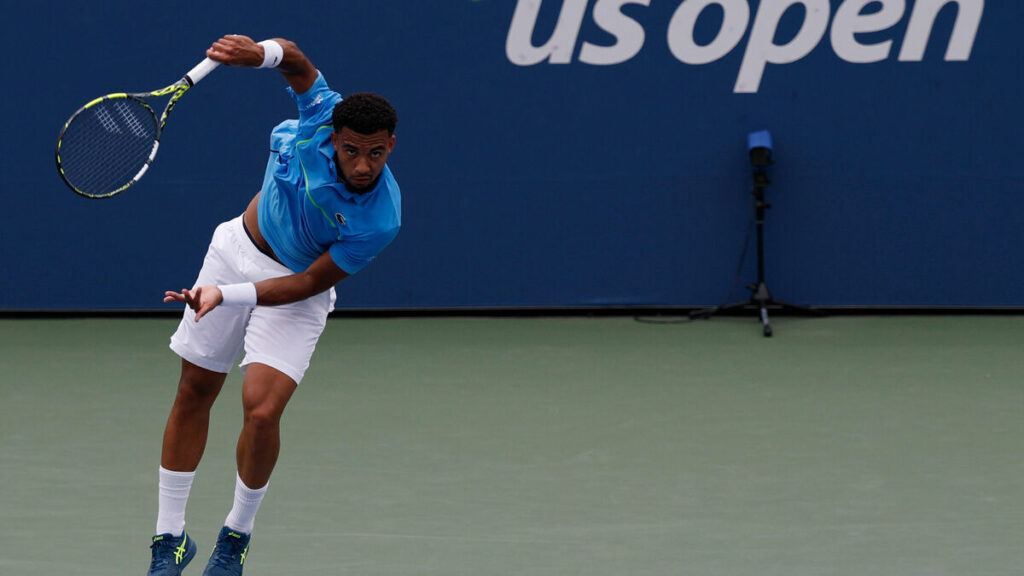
848, 445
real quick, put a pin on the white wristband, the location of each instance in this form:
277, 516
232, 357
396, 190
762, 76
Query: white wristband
243, 294
273, 54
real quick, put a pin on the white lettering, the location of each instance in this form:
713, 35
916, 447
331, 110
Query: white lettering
629, 34
762, 49
968, 18
849, 21
519, 46
680, 30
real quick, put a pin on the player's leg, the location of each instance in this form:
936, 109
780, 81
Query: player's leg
279, 343
183, 445
208, 350
189, 422
265, 393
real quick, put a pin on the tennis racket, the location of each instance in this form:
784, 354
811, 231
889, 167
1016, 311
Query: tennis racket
108, 144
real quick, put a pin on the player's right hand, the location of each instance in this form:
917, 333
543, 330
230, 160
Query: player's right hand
236, 50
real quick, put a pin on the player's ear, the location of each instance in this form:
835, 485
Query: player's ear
335, 139
391, 144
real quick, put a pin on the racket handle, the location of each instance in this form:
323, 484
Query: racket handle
200, 71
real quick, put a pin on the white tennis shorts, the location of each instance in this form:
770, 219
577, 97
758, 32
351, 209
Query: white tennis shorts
282, 337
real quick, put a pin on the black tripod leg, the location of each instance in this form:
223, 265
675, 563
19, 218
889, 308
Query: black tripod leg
706, 313
703, 314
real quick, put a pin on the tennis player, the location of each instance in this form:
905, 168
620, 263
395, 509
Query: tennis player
328, 205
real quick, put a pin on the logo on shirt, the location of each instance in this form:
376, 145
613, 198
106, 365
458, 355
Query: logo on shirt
319, 98
340, 218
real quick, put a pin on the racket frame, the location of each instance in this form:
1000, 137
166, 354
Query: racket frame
177, 90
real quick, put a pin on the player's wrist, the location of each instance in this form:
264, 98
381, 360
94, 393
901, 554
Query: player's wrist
243, 294
273, 54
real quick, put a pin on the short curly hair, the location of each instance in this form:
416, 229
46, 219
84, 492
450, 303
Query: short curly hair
365, 113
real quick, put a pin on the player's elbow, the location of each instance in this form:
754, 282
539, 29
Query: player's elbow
314, 284
306, 285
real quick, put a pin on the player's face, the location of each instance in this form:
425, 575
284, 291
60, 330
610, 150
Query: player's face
362, 156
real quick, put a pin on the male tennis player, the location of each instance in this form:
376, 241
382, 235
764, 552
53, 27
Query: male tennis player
328, 205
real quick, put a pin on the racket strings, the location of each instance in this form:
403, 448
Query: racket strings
106, 145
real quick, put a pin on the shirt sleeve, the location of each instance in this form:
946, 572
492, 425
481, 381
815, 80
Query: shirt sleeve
354, 253
315, 105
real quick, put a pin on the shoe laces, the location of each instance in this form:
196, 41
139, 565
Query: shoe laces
163, 551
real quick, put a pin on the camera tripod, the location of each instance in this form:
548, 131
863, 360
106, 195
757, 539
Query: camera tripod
760, 298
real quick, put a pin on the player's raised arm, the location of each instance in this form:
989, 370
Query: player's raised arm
279, 53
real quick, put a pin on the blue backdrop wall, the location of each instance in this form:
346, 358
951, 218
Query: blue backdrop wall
554, 153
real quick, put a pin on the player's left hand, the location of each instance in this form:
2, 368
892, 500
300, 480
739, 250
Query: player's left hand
202, 299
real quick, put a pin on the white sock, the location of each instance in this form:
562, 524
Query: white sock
247, 502
174, 489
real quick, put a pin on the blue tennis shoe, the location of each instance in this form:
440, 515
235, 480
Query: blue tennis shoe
171, 554
228, 554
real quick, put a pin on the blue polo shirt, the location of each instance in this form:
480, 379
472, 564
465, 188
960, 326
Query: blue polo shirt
305, 211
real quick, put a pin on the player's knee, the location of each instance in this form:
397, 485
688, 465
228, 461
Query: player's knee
262, 418
198, 387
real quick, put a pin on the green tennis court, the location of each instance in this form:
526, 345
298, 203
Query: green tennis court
848, 445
